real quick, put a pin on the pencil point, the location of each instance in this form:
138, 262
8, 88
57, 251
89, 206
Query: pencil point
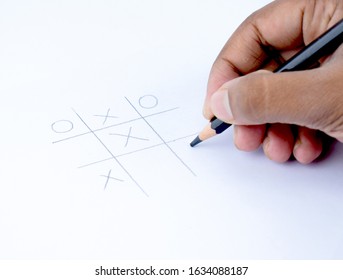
196, 141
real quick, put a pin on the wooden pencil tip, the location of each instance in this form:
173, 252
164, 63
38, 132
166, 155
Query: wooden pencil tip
196, 141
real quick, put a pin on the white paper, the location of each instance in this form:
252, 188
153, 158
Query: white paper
99, 102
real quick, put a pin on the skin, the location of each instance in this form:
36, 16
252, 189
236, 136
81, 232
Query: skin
285, 113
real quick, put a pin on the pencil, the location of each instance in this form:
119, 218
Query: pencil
324, 45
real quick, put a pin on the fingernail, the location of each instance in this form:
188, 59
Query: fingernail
297, 144
221, 106
266, 143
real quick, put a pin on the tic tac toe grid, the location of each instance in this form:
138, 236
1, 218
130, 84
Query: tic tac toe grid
65, 127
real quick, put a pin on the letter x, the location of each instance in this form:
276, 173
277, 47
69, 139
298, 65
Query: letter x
106, 116
128, 136
108, 177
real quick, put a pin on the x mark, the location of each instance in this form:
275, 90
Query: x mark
128, 136
106, 116
108, 177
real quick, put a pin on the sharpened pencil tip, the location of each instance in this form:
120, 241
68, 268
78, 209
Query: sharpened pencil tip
196, 141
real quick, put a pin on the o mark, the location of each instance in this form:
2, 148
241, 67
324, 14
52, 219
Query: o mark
148, 101
62, 126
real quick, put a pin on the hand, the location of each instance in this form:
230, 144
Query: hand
264, 105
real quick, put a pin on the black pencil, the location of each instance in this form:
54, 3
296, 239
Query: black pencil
324, 45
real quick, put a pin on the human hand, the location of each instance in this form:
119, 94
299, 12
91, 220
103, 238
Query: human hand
312, 99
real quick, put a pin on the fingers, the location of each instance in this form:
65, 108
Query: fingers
292, 98
263, 97
249, 137
279, 142
308, 99
308, 145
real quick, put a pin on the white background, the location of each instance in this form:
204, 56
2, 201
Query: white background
209, 202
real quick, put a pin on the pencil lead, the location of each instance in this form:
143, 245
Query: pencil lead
196, 141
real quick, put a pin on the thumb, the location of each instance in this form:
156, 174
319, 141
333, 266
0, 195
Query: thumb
305, 98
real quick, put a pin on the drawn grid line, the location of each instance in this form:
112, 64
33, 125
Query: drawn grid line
135, 151
110, 152
159, 136
113, 125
